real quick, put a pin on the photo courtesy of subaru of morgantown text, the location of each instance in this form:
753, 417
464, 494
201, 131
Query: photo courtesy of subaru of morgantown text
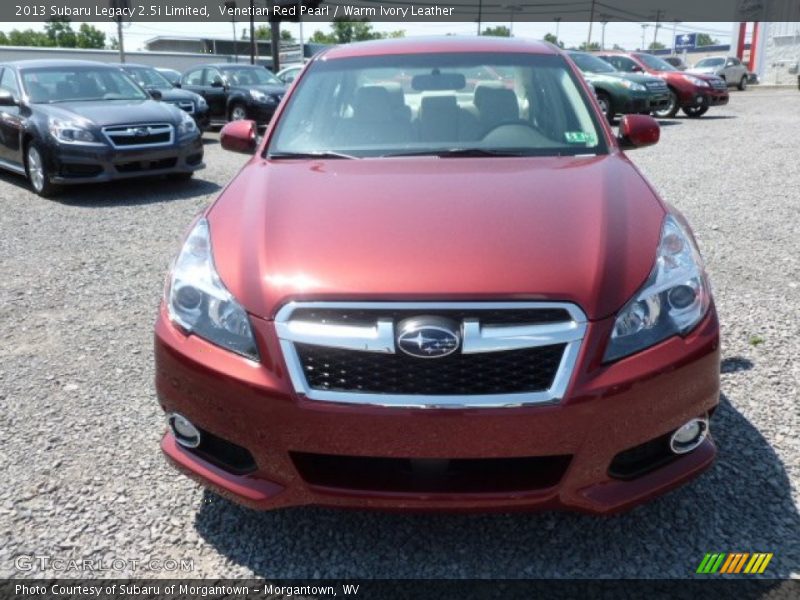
320, 343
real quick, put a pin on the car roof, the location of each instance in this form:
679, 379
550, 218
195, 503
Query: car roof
440, 44
45, 62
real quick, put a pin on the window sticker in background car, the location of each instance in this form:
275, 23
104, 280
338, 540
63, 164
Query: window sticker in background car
581, 137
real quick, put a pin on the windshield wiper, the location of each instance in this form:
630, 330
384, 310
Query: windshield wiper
321, 154
458, 152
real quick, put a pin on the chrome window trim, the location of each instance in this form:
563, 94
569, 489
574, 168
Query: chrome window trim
159, 127
492, 338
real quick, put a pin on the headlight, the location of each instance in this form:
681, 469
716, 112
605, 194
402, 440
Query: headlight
672, 301
187, 125
198, 301
632, 85
70, 132
695, 80
262, 97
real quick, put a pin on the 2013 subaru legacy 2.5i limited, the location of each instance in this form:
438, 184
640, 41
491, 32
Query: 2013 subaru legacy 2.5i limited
429, 293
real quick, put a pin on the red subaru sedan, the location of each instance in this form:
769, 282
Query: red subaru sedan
429, 293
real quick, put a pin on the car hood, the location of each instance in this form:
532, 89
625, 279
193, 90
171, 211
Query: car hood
172, 94
577, 229
616, 78
113, 112
267, 89
703, 70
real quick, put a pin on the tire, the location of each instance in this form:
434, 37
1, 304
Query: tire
237, 112
743, 83
605, 105
695, 112
36, 170
670, 110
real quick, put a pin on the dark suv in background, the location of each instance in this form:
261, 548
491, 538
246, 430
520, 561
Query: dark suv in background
235, 92
153, 81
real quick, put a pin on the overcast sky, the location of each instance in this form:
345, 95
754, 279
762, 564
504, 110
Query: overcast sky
627, 35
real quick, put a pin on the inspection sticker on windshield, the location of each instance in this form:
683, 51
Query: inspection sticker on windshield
581, 137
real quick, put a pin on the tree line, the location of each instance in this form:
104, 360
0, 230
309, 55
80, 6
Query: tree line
58, 33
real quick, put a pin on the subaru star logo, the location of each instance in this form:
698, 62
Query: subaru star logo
428, 337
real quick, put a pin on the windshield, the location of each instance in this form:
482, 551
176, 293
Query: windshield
711, 62
148, 78
517, 104
250, 76
655, 63
69, 84
591, 64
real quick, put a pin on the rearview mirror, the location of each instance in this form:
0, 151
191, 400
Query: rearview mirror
438, 82
7, 98
638, 131
239, 136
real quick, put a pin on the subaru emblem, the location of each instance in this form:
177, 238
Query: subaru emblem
428, 337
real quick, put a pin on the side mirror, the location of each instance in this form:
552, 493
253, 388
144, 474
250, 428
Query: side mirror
217, 82
7, 98
239, 136
638, 131
176, 83
154, 94
636, 69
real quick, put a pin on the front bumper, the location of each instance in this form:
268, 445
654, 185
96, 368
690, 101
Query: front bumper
89, 164
659, 101
607, 410
261, 113
697, 96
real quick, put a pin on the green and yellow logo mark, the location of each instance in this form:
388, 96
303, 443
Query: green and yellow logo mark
734, 562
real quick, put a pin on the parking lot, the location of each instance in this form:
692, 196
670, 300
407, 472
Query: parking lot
80, 280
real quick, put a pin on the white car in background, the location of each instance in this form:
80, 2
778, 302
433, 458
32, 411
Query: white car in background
729, 68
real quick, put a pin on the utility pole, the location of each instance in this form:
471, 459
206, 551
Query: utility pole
558, 23
603, 34
231, 6
591, 20
512, 8
644, 28
275, 35
674, 28
300, 23
252, 33
480, 15
119, 4
658, 24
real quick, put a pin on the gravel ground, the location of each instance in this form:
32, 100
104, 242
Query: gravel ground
80, 279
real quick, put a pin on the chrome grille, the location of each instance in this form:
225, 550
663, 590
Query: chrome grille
656, 86
511, 354
140, 135
719, 84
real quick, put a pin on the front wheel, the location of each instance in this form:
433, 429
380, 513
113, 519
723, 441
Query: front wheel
670, 110
743, 83
605, 105
38, 176
695, 111
238, 112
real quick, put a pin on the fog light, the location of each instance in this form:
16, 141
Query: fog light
689, 436
185, 433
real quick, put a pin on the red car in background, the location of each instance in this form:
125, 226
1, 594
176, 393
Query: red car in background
694, 93
435, 298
